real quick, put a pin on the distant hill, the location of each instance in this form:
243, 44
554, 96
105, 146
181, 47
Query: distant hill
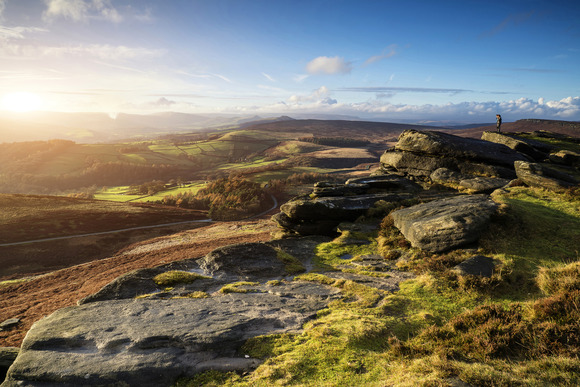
339, 128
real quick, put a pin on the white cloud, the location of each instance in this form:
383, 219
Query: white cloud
319, 102
326, 65
320, 96
81, 10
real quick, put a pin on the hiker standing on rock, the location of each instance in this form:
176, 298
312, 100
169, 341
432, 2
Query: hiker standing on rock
498, 122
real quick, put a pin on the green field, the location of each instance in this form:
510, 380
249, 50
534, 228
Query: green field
121, 193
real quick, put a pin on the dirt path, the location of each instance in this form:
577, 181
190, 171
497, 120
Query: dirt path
43, 295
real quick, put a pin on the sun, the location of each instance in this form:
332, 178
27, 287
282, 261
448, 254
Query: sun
21, 102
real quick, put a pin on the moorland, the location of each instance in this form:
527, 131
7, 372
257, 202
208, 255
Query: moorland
435, 330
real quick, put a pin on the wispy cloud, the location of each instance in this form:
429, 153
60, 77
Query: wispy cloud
327, 65
2, 7
96, 51
222, 77
533, 70
403, 90
81, 10
268, 77
18, 32
387, 53
514, 19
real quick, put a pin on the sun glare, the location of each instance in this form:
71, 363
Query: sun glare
21, 102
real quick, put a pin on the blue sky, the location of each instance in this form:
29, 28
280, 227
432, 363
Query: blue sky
461, 61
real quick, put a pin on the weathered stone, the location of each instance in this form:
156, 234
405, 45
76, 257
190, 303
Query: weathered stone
447, 145
130, 285
306, 227
478, 265
445, 224
535, 149
447, 176
7, 357
565, 157
154, 342
11, 322
482, 184
259, 261
339, 189
537, 175
422, 165
386, 182
337, 208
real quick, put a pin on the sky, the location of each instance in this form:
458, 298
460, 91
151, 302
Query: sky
396, 61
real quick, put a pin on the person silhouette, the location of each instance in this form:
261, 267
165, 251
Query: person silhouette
498, 122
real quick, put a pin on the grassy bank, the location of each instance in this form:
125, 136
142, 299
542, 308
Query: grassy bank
519, 327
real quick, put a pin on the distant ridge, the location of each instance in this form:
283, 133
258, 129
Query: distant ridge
338, 128
569, 128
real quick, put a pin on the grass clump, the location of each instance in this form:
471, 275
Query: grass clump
176, 277
559, 279
237, 287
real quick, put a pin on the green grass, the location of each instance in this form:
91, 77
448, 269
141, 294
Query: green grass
175, 277
120, 193
438, 327
238, 287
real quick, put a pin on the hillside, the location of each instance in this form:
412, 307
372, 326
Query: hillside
369, 130
370, 302
33, 217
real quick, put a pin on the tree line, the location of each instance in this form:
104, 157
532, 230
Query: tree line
224, 199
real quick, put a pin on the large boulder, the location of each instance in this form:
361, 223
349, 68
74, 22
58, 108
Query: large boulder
538, 175
337, 208
259, 261
149, 342
447, 145
535, 149
566, 157
153, 339
419, 154
321, 215
445, 224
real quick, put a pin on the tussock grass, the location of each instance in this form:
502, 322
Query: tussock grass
238, 287
176, 277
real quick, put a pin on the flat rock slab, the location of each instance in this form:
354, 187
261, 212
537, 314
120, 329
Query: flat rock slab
154, 342
445, 224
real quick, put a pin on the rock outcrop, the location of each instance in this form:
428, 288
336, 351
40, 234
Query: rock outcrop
538, 175
125, 336
419, 154
445, 224
537, 150
330, 204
